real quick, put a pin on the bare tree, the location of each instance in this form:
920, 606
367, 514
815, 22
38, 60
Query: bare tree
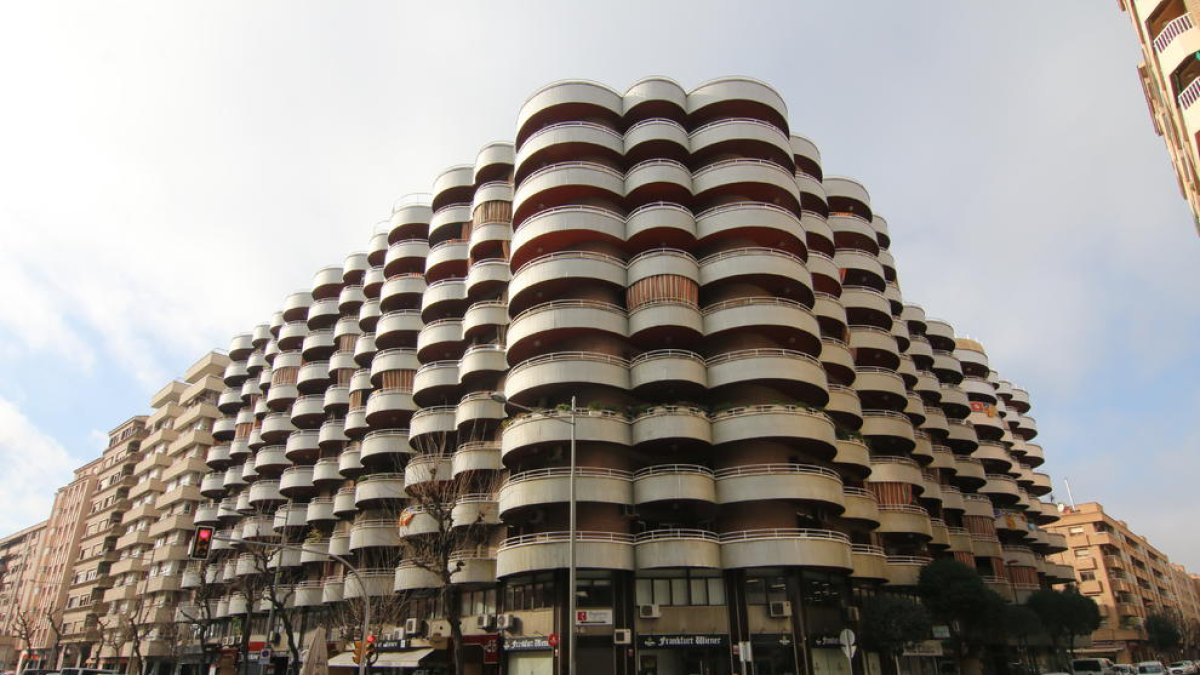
24, 626
54, 622
198, 616
111, 634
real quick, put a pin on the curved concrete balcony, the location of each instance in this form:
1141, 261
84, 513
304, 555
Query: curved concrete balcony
960, 436
477, 411
1042, 485
375, 583
935, 422
213, 485
230, 401
673, 548
484, 318
372, 277
374, 533
447, 223
933, 489
869, 562
978, 389
1056, 542
410, 577
657, 180
799, 482
350, 299
549, 323
789, 372
905, 570
397, 329
257, 527
969, 473
295, 305
379, 490
472, 510
726, 96
860, 505
386, 447
280, 396
444, 299
323, 313
669, 370
487, 279
564, 371
297, 482
207, 513
756, 179
927, 387
940, 334
790, 322
432, 429
1033, 454
1001, 489
264, 492
671, 428
887, 429
562, 273
852, 454
473, 567
435, 383
952, 499
452, 185
291, 336
566, 99
482, 361
224, 428
563, 228
447, 259
332, 590
826, 276
880, 388
416, 521
319, 510
400, 292
885, 469
343, 502
336, 400
844, 407
427, 469
785, 547
530, 431
270, 460
218, 457
874, 347
837, 360
656, 137
565, 183
792, 424
947, 367
660, 224
541, 487
406, 257
291, 517
476, 456
830, 312
744, 137
308, 411
235, 373
760, 221
368, 318
390, 360
988, 426
350, 462
489, 241
332, 434
240, 347
389, 408
862, 268
868, 306
303, 446
315, 551
994, 455
1026, 427
904, 519
665, 321
674, 482
308, 594
549, 550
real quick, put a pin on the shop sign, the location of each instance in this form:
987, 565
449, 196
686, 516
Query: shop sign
657, 641
489, 642
392, 645
594, 617
527, 644
941, 632
923, 648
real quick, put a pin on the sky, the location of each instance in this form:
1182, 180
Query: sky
169, 172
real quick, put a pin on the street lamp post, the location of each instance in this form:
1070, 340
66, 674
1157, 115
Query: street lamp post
366, 624
571, 582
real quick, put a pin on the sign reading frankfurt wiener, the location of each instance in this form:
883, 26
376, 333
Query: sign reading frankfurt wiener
526, 644
680, 641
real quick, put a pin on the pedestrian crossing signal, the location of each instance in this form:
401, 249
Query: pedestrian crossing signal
201, 543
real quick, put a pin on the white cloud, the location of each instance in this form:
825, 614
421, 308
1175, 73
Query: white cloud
34, 466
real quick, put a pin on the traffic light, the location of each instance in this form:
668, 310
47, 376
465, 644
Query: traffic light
201, 543
369, 653
358, 652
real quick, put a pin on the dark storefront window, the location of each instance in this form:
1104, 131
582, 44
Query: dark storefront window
681, 588
531, 592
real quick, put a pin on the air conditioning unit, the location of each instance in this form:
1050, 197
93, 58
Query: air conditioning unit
622, 636
485, 621
414, 627
649, 611
779, 609
508, 622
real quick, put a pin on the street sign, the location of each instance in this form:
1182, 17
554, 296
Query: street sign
594, 617
553, 639
264, 656
847, 638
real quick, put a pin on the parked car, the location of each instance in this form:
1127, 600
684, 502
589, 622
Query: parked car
1092, 667
87, 671
1151, 668
1124, 669
1182, 668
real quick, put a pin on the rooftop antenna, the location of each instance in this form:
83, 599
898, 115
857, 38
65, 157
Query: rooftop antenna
1070, 497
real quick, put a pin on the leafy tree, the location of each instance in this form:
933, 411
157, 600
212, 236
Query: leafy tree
1162, 632
890, 622
1021, 624
956, 596
1065, 614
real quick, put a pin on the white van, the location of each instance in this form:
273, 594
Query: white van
1092, 667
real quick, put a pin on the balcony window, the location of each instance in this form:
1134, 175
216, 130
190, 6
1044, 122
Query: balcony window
681, 588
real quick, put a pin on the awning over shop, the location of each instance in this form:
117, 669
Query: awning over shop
409, 659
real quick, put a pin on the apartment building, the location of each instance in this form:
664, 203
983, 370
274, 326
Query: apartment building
91, 581
1127, 576
765, 429
1170, 76
20, 565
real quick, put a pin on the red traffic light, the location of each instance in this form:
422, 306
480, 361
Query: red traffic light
204, 534
201, 543
371, 639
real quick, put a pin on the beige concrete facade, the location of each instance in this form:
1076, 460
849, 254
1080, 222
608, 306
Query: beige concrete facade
1127, 576
1169, 34
20, 566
